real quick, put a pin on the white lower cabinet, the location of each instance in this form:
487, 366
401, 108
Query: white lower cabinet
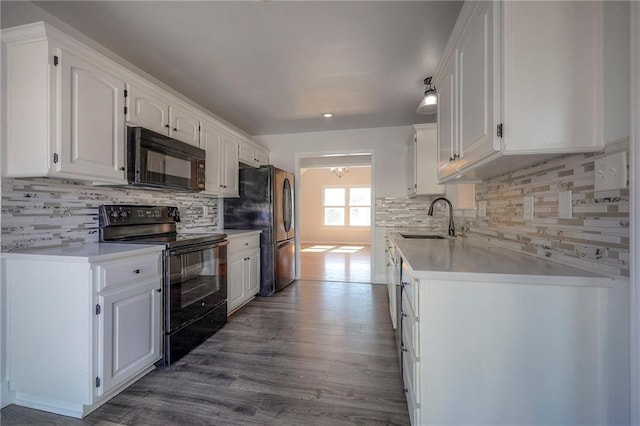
243, 280
80, 331
128, 332
476, 351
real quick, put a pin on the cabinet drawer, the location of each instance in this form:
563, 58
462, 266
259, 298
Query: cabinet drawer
410, 296
409, 374
410, 335
119, 272
240, 243
413, 411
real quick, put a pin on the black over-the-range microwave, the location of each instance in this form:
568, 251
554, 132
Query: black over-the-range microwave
158, 161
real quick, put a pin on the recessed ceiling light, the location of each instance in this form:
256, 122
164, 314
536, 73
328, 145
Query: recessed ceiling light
327, 115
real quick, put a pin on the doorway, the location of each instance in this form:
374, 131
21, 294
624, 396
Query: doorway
335, 219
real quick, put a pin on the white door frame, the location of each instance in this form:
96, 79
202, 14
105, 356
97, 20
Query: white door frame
635, 211
299, 156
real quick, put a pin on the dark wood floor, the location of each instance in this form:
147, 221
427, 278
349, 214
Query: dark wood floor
318, 353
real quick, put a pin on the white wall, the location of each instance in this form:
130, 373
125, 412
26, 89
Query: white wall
311, 224
635, 212
5, 398
388, 146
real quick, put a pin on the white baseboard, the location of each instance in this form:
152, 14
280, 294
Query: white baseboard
380, 279
6, 396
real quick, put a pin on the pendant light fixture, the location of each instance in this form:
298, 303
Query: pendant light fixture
339, 171
430, 101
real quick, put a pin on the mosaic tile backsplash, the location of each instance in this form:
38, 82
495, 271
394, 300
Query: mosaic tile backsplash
595, 239
597, 236
42, 212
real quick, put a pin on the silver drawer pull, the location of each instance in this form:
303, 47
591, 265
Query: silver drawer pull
136, 271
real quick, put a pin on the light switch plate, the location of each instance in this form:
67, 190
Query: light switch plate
611, 172
482, 208
565, 199
528, 207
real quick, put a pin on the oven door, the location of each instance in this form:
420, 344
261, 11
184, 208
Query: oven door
195, 283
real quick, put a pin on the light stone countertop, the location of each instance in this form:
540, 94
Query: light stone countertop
236, 232
92, 252
460, 258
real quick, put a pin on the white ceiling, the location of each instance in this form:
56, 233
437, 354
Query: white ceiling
275, 67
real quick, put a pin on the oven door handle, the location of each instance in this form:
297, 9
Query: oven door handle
200, 247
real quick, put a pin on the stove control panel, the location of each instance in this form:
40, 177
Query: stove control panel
113, 214
117, 214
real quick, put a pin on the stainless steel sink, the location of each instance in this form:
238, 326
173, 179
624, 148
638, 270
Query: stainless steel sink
423, 236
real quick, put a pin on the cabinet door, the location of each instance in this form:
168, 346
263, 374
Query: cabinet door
184, 126
147, 109
246, 154
92, 129
562, 115
252, 273
412, 169
261, 157
230, 168
447, 122
476, 84
129, 332
425, 172
235, 285
212, 144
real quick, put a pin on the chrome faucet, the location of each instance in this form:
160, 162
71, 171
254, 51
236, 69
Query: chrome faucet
452, 228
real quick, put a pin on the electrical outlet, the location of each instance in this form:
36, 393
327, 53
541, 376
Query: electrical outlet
527, 207
565, 205
611, 172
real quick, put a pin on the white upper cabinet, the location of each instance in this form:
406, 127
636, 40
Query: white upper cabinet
475, 82
521, 82
423, 174
155, 110
64, 108
92, 131
221, 162
251, 154
447, 122
184, 125
148, 109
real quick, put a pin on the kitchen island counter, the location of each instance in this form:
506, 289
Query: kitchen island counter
461, 258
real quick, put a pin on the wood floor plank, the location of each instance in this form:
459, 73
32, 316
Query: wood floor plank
317, 353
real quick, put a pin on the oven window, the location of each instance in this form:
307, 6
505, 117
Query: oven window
197, 284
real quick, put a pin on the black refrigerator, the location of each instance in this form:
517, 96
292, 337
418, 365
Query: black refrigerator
266, 203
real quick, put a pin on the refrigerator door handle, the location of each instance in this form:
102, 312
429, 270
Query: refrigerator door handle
287, 201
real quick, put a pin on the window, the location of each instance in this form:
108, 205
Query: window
347, 206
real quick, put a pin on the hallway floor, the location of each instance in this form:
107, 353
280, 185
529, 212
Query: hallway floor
335, 262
